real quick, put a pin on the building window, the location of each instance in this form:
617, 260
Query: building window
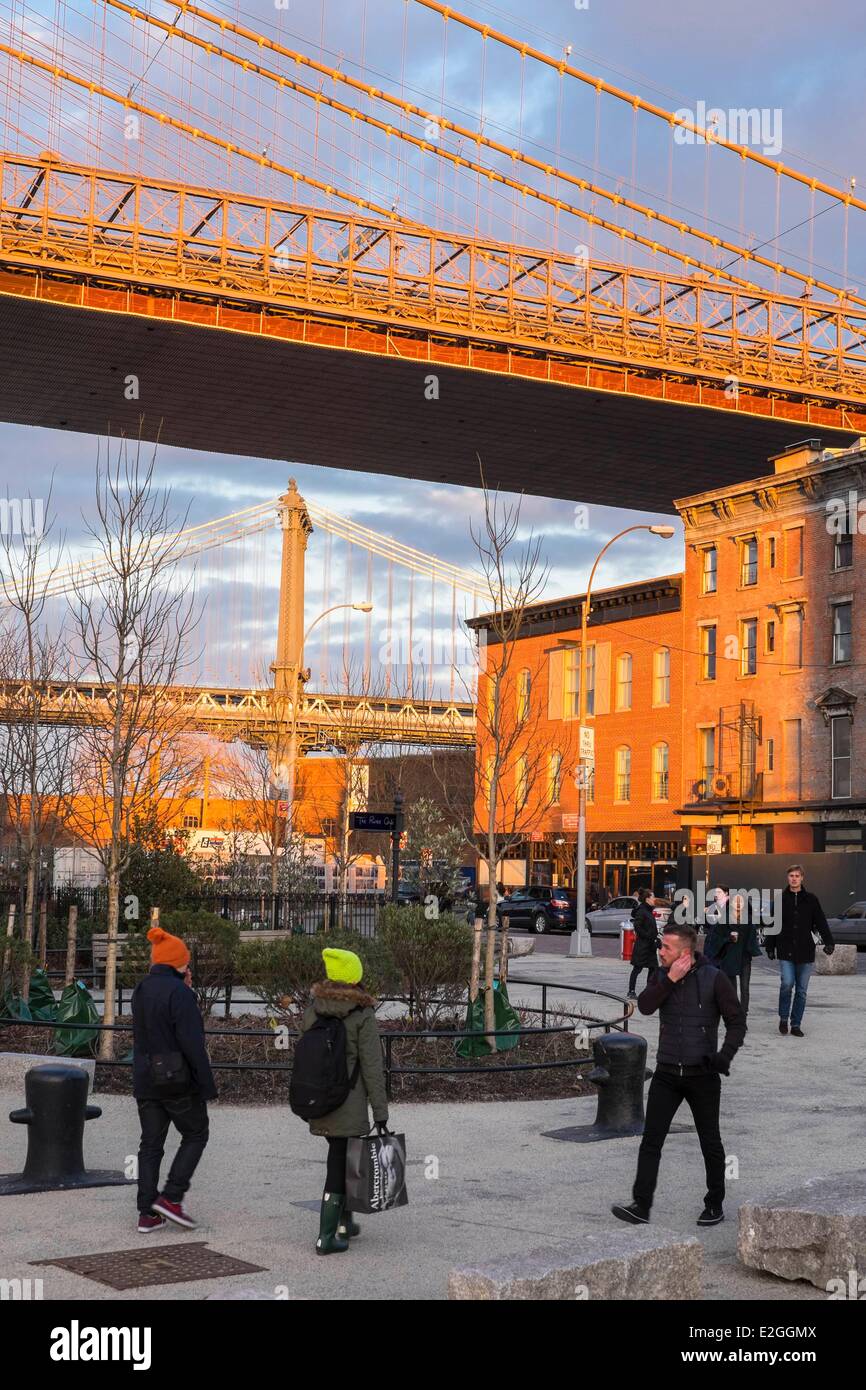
708, 653
771, 553
771, 755
842, 632
707, 750
524, 690
840, 746
572, 683
555, 777
623, 774
521, 784
749, 647
793, 637
660, 772
771, 637
662, 677
623, 681
748, 562
794, 553
190, 822
843, 552
710, 570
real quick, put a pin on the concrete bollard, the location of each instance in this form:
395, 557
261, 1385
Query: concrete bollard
619, 1073
55, 1113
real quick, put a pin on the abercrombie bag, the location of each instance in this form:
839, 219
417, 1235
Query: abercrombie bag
320, 1075
169, 1074
376, 1172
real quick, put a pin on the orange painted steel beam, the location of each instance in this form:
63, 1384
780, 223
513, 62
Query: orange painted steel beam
105, 241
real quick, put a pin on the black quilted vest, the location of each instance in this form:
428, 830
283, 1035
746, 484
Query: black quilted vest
689, 1018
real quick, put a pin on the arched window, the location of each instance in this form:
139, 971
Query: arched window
623, 773
662, 676
524, 690
555, 778
623, 681
521, 784
661, 755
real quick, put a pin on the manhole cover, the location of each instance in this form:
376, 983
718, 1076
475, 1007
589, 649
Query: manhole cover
173, 1264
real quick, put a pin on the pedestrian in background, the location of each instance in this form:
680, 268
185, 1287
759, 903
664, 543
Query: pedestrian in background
172, 1080
732, 941
803, 925
645, 953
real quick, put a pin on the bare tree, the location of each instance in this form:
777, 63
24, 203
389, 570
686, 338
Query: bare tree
36, 755
259, 819
133, 617
518, 763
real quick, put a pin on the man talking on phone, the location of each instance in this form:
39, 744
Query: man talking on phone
691, 997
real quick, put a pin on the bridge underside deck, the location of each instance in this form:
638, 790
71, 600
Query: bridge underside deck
213, 390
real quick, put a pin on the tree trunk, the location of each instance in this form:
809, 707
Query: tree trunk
503, 953
489, 1001
42, 947
476, 960
10, 928
71, 945
109, 1013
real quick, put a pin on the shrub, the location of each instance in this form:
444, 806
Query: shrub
432, 959
282, 973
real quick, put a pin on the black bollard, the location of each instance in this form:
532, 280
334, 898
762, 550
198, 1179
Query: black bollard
619, 1073
55, 1113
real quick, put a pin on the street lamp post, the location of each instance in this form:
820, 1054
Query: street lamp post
578, 945
292, 758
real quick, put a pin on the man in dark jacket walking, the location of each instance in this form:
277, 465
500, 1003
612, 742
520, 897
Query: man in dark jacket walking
643, 956
691, 996
171, 1080
802, 915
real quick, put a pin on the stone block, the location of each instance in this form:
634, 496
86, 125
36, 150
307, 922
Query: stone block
14, 1066
815, 1232
842, 962
630, 1264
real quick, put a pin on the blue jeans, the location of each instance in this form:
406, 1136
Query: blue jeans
796, 978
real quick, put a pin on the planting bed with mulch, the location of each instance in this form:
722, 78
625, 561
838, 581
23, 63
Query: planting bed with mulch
272, 1087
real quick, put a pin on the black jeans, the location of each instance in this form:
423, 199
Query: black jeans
745, 977
666, 1093
188, 1114
635, 972
335, 1178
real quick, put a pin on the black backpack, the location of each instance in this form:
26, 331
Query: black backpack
320, 1077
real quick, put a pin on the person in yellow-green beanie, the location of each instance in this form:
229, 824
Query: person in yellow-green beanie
342, 996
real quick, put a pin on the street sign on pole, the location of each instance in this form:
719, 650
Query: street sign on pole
373, 820
587, 743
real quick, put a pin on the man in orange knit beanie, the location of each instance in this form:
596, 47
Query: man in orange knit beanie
172, 1080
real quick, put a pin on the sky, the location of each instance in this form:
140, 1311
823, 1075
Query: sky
800, 63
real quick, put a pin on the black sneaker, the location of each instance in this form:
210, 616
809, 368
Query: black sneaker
797, 1032
711, 1216
635, 1214
783, 1025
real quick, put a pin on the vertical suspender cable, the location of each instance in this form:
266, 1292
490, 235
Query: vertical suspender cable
368, 626
390, 642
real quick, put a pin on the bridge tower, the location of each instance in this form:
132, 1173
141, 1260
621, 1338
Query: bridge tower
289, 675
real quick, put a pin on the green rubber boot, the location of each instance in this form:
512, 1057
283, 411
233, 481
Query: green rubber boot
330, 1242
348, 1226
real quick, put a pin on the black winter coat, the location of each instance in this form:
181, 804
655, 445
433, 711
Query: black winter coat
646, 936
689, 1014
166, 1018
801, 915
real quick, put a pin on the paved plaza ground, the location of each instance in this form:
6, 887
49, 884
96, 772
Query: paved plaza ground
792, 1109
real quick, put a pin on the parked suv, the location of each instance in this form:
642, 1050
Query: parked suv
606, 921
539, 909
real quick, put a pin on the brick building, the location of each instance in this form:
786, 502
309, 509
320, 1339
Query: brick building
775, 645
634, 702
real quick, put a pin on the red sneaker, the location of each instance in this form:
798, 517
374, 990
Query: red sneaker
173, 1211
148, 1223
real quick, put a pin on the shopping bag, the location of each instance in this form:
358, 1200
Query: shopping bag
376, 1172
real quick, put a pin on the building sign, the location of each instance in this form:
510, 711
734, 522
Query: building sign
587, 743
373, 820
714, 844
570, 821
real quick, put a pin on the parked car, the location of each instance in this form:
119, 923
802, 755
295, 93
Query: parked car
539, 909
850, 928
606, 921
